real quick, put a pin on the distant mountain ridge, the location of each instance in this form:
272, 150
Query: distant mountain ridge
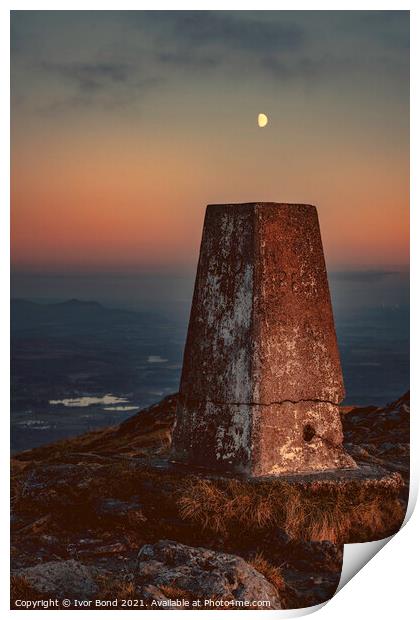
26, 314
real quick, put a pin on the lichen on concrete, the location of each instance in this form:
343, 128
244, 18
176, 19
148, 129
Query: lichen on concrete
261, 361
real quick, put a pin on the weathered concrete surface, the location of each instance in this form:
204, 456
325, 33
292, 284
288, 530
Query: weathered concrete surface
260, 439
261, 379
297, 437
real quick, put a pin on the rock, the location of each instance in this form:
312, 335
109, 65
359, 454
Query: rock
200, 573
117, 547
152, 593
66, 579
116, 508
380, 436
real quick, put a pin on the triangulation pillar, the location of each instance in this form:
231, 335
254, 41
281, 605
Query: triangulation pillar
261, 380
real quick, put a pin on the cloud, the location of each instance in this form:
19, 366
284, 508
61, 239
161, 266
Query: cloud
311, 68
207, 40
188, 60
121, 56
235, 31
158, 44
280, 44
389, 28
210, 40
90, 77
221, 42
108, 84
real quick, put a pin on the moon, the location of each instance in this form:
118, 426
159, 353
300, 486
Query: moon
262, 120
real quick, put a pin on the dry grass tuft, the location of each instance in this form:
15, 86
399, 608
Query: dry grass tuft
215, 507
173, 593
112, 588
21, 589
272, 573
330, 512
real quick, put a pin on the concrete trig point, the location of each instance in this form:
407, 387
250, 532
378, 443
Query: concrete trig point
261, 380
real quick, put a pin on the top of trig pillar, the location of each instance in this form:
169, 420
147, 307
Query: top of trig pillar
261, 327
252, 205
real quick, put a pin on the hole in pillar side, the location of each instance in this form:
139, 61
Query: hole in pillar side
308, 432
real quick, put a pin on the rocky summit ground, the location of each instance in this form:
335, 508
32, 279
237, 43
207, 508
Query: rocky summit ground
105, 517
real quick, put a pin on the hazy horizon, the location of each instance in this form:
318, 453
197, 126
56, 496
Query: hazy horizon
170, 293
82, 353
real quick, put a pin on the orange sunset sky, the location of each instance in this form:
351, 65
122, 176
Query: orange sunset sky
125, 125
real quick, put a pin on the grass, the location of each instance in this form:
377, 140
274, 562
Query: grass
111, 588
272, 573
21, 589
173, 592
216, 507
337, 512
329, 512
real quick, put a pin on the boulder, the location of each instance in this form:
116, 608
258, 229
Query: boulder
64, 579
169, 569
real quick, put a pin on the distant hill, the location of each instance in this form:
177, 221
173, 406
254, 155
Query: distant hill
27, 314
